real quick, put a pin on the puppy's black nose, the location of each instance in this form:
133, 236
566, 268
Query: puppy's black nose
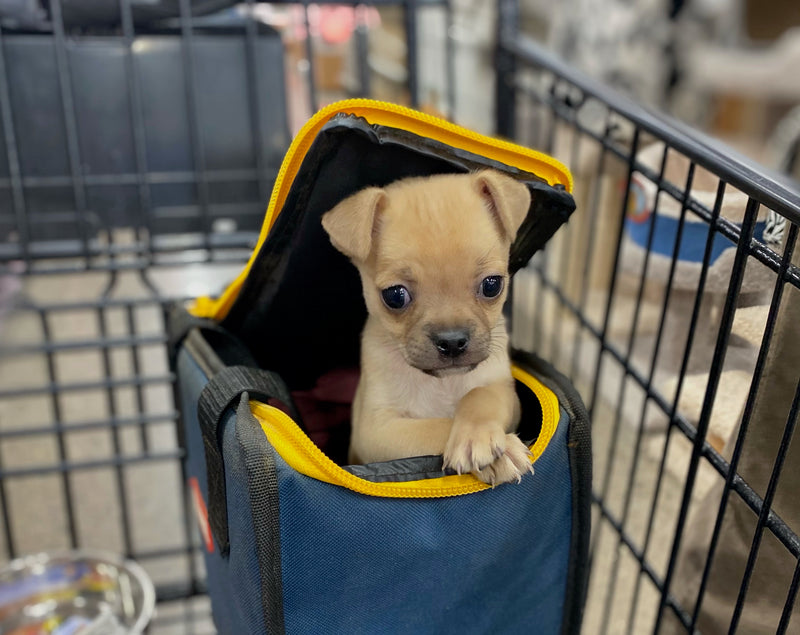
451, 343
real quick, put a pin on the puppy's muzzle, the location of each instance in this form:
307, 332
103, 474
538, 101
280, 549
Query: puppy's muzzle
451, 343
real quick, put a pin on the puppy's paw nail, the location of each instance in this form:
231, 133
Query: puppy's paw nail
469, 453
497, 451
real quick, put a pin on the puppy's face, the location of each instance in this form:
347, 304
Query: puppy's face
433, 257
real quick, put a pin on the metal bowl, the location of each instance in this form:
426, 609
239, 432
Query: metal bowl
85, 592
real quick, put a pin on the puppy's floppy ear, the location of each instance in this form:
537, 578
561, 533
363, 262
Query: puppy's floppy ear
351, 224
508, 200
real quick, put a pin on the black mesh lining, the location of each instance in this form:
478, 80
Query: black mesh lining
258, 457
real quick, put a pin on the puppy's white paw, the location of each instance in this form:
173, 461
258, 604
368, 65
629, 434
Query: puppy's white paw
473, 448
512, 465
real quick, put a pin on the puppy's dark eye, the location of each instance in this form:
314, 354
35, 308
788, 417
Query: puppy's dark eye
396, 297
491, 286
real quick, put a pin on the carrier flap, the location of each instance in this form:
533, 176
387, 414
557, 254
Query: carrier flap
298, 305
483, 151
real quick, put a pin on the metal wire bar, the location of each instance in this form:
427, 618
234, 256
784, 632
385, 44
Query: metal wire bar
656, 349
715, 371
772, 487
212, 175
549, 129
505, 66
163, 552
137, 371
723, 226
791, 597
115, 440
172, 592
738, 171
568, 238
187, 257
55, 388
412, 52
450, 57
361, 44
311, 83
101, 302
70, 124
66, 467
747, 414
639, 556
12, 157
253, 69
612, 286
777, 526
66, 484
8, 536
589, 247
193, 114
137, 124
62, 346
611, 455
142, 419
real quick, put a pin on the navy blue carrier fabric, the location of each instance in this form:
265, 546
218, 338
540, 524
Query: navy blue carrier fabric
495, 561
490, 562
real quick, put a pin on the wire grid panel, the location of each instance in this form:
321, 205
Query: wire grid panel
671, 299
135, 168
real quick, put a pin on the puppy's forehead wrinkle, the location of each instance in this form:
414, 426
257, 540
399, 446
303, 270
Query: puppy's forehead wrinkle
492, 262
422, 204
389, 273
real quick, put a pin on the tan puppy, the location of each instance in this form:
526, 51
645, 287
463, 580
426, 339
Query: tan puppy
435, 374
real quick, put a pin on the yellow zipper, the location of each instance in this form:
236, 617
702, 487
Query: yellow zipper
382, 113
302, 455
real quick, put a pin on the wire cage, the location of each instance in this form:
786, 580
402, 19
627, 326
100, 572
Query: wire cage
140, 142
671, 300
138, 154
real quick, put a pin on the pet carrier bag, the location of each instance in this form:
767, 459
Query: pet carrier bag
297, 541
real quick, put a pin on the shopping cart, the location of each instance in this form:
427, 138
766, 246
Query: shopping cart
137, 158
672, 303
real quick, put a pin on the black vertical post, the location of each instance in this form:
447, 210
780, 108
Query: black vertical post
506, 64
412, 57
362, 52
450, 60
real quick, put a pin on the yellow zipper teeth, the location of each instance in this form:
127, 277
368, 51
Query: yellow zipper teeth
272, 419
303, 455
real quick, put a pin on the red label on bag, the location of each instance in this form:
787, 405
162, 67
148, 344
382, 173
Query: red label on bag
201, 513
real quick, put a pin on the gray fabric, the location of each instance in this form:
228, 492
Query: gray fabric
258, 456
399, 470
769, 585
222, 391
